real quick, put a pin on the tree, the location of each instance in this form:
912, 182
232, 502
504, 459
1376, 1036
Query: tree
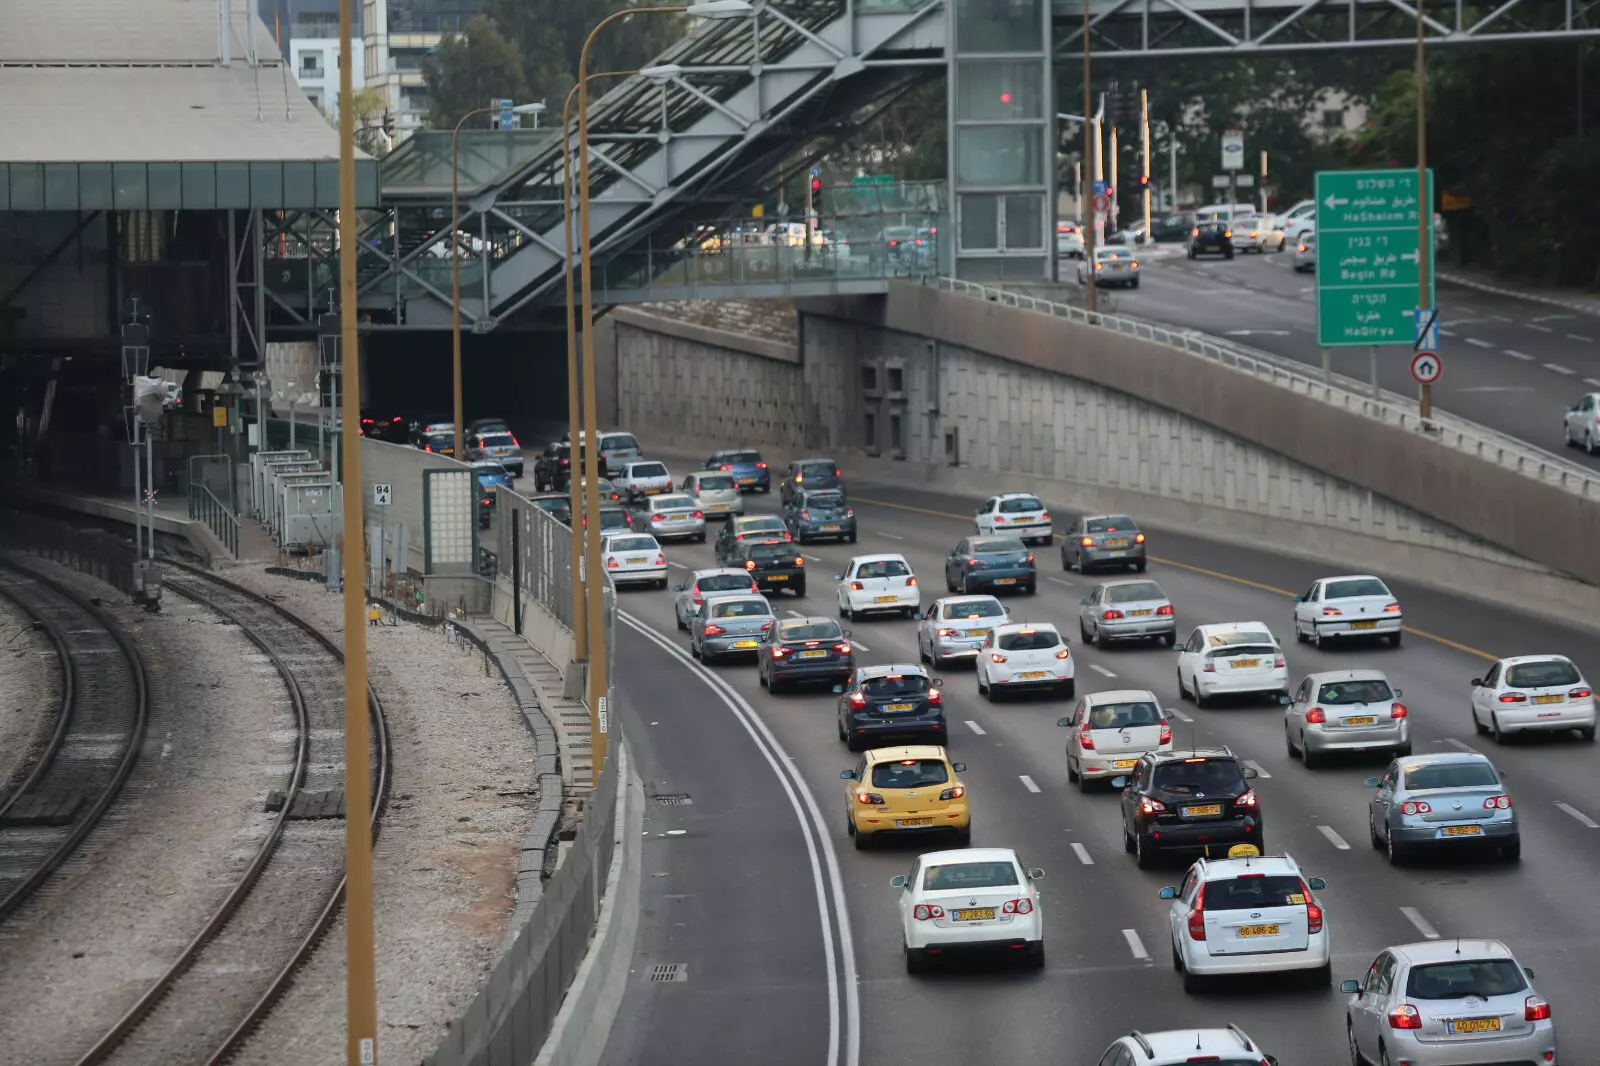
369, 108
470, 70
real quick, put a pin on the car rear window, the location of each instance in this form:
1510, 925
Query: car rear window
1360, 586
439, 441
1450, 775
1214, 777
764, 524
1234, 651
974, 609
818, 470
1459, 979
612, 516
1343, 693
739, 608
883, 568
910, 773
673, 503
1020, 505
722, 582
1140, 590
1249, 892
1030, 640
633, 544
996, 545
741, 457
648, 470
961, 876
1247, 222
1125, 715
1118, 523
888, 685
499, 440
1542, 675
1226, 638
620, 442
810, 631
715, 482
771, 551
825, 500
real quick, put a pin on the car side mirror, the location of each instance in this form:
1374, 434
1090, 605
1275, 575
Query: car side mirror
897, 881
681, 588
1316, 884
1299, 599
1169, 714
1399, 692
937, 682
1064, 723
922, 616
1529, 972
1272, 1060
959, 767
1083, 601
1168, 893
1035, 874
1119, 782
1285, 700
838, 690
1181, 648
846, 632
1374, 782
1248, 771
1351, 987
838, 577
847, 775
1477, 682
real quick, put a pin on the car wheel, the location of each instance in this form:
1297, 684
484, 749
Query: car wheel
1288, 740
983, 686
800, 538
1312, 759
774, 685
852, 538
1083, 632
964, 837
1356, 1058
1072, 775
862, 841
1477, 726
800, 589
1143, 853
1134, 284
1495, 730
694, 650
1141, 565
761, 678
916, 962
843, 612
1588, 442
1396, 850
1511, 850
1170, 640
1372, 832
1193, 983
1200, 698
1299, 634
838, 726
681, 624
966, 585
1085, 785
1183, 693
949, 585
1128, 844
1064, 564
1069, 689
1035, 955
1586, 735
1394, 639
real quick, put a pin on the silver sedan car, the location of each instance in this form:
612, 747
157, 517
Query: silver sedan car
1135, 609
955, 626
1448, 1003
1442, 801
674, 516
1305, 254
1345, 710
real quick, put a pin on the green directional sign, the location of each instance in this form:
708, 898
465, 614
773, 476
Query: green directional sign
1367, 259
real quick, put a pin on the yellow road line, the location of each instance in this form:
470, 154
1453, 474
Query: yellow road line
1465, 649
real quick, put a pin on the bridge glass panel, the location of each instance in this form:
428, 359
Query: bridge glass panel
166, 186
60, 187
95, 187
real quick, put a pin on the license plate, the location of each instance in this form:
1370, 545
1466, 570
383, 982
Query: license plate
717, 507
654, 492
975, 914
637, 560
1548, 699
1245, 664
1116, 544
1258, 930
1138, 614
830, 527
1034, 675
1365, 719
1363, 625
908, 823
1462, 830
1005, 581
1123, 764
744, 643
1203, 809
978, 634
899, 706
813, 655
885, 599
1472, 1025
777, 577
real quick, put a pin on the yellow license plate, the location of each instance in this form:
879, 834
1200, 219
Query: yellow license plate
813, 655
1138, 614
1116, 544
717, 507
1363, 625
1473, 1025
1005, 581
744, 643
975, 914
634, 560
1204, 808
777, 577
1245, 664
977, 632
1258, 930
1462, 830
885, 599
1033, 675
1363, 720
899, 706
1122, 764
1548, 699
830, 527
907, 823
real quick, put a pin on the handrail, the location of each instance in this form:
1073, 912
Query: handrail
204, 505
1389, 408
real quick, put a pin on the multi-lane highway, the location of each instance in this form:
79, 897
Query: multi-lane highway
1511, 365
790, 937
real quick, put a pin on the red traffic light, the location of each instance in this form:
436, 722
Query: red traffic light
1144, 181
1005, 98
816, 184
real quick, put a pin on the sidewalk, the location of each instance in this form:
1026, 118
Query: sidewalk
1583, 301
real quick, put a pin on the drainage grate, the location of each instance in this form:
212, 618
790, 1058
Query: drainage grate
669, 973
673, 799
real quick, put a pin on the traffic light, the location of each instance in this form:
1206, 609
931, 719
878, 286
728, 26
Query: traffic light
1144, 181
816, 185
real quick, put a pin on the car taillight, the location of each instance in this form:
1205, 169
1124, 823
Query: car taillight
656, 517
1111, 615
1064, 653
1331, 612
955, 792
514, 443
563, 462
1087, 542
974, 563
1313, 917
999, 519
780, 651
1017, 906
1151, 806
1044, 517
1278, 663
1138, 538
611, 563
1316, 716
1416, 807
749, 564
799, 560
699, 514
1166, 734
1393, 608
1579, 694
806, 515
857, 700
714, 631
842, 649
1514, 697
869, 798
766, 626
856, 586
1227, 233
1165, 609
849, 512
947, 632
427, 447
1398, 711
725, 466
996, 657
1030, 557
911, 582
1197, 916
761, 466
935, 697
1535, 1009
923, 912
1249, 799
1405, 1016
1497, 803
661, 559
697, 598
1210, 667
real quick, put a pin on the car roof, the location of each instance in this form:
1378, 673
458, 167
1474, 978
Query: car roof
1117, 582
717, 571
814, 459
1442, 758
1179, 1044
805, 619
934, 858
887, 557
908, 751
1222, 627
1351, 577
1121, 695
746, 519
1424, 951
969, 599
1109, 514
707, 473
731, 451
551, 496
1015, 626
1017, 496
1334, 676
631, 535
655, 501
1223, 869
1192, 753
867, 673
647, 462
1517, 660
745, 597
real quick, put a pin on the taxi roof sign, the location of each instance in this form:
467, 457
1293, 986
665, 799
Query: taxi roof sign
1244, 851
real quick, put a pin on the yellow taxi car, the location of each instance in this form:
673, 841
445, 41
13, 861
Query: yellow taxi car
906, 790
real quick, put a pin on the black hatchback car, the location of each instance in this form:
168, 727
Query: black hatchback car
797, 650
899, 701
981, 564
1211, 238
774, 565
552, 468
1198, 800
807, 474
820, 514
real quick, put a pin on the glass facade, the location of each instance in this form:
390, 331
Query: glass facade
179, 186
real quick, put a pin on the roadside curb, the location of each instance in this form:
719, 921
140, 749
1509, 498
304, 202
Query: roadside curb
1592, 309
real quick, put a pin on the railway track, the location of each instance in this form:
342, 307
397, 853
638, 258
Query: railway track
226, 980
78, 772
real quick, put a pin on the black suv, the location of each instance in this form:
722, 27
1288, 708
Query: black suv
773, 564
797, 650
808, 474
890, 701
552, 468
1211, 238
1198, 800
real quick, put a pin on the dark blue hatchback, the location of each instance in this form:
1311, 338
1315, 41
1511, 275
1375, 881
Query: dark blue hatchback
749, 470
990, 564
798, 650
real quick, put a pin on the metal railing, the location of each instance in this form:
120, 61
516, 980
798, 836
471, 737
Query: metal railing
98, 553
1389, 408
541, 554
204, 505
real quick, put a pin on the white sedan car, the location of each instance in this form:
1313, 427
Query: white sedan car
1581, 424
1533, 694
1354, 605
1231, 659
972, 899
1025, 657
1017, 514
635, 558
878, 584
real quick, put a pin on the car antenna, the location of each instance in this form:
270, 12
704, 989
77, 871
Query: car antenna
1458, 945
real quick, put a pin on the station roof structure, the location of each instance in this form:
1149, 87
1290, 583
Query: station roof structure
152, 104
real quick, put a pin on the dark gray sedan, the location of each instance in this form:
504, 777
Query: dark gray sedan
990, 564
820, 514
1103, 540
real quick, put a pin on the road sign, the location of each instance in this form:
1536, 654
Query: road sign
1233, 150
1220, 181
1367, 256
816, 172
1102, 203
1427, 367
872, 179
1426, 321
382, 494
1246, 180
507, 117
1101, 187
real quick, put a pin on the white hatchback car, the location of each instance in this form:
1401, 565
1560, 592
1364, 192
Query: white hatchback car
1231, 659
1253, 914
718, 495
1533, 694
1021, 657
647, 478
876, 584
966, 900
1179, 1047
1110, 730
1354, 605
635, 558
1017, 514
955, 627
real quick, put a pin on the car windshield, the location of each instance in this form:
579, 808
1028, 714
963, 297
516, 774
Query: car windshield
883, 568
620, 442
1022, 504
887, 686
440, 441
1212, 777
825, 501
961, 876
1450, 775
1356, 586
740, 609
647, 470
1117, 523
1227, 638
499, 440
974, 609
1343, 693
1133, 593
996, 546
722, 582
910, 773
1459, 979
715, 482
1542, 675
1030, 640
1125, 715
633, 544
1249, 892
824, 630
673, 503
817, 470
771, 551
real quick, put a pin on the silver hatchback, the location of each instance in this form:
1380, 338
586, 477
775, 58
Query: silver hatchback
675, 517
954, 627
1345, 710
1127, 610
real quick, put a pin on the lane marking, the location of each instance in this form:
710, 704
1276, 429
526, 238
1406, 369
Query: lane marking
857, 644
1135, 945
1423, 925
1243, 582
1083, 854
1028, 783
841, 957
976, 728
1476, 343
1102, 671
680, 566
1524, 356
1059, 580
1459, 744
813, 558
1502, 318
1179, 715
1559, 369
1551, 318
794, 614
1592, 381
1583, 819
890, 536
1541, 329
1333, 838
1580, 337
1257, 767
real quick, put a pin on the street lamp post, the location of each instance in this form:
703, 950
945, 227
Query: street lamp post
1091, 162
1425, 211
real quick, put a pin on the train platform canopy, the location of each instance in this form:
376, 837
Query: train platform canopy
158, 105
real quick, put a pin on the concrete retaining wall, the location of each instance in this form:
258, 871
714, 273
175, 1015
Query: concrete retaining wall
401, 467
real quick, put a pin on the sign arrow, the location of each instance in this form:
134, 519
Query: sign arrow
1413, 256
1333, 202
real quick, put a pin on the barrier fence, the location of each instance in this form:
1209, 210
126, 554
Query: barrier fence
94, 552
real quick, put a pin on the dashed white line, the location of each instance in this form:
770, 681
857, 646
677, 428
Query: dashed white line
1447, 333
1257, 767
813, 558
1461, 744
1502, 318
1083, 854
1583, 819
890, 536
1060, 580
1550, 318
1333, 838
1135, 945
1592, 381
1423, 925
976, 728
1102, 671
1028, 783
680, 566
1541, 329
1580, 337
1476, 343
1179, 715
1523, 356
1559, 369
857, 644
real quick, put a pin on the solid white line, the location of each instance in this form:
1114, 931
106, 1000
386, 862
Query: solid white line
976, 728
1028, 783
1559, 369
1102, 671
1461, 744
1541, 329
1059, 580
1135, 945
890, 536
1580, 337
1083, 854
1179, 715
857, 644
1333, 838
794, 614
1257, 767
1524, 356
1582, 818
804, 805
1475, 342
1422, 924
